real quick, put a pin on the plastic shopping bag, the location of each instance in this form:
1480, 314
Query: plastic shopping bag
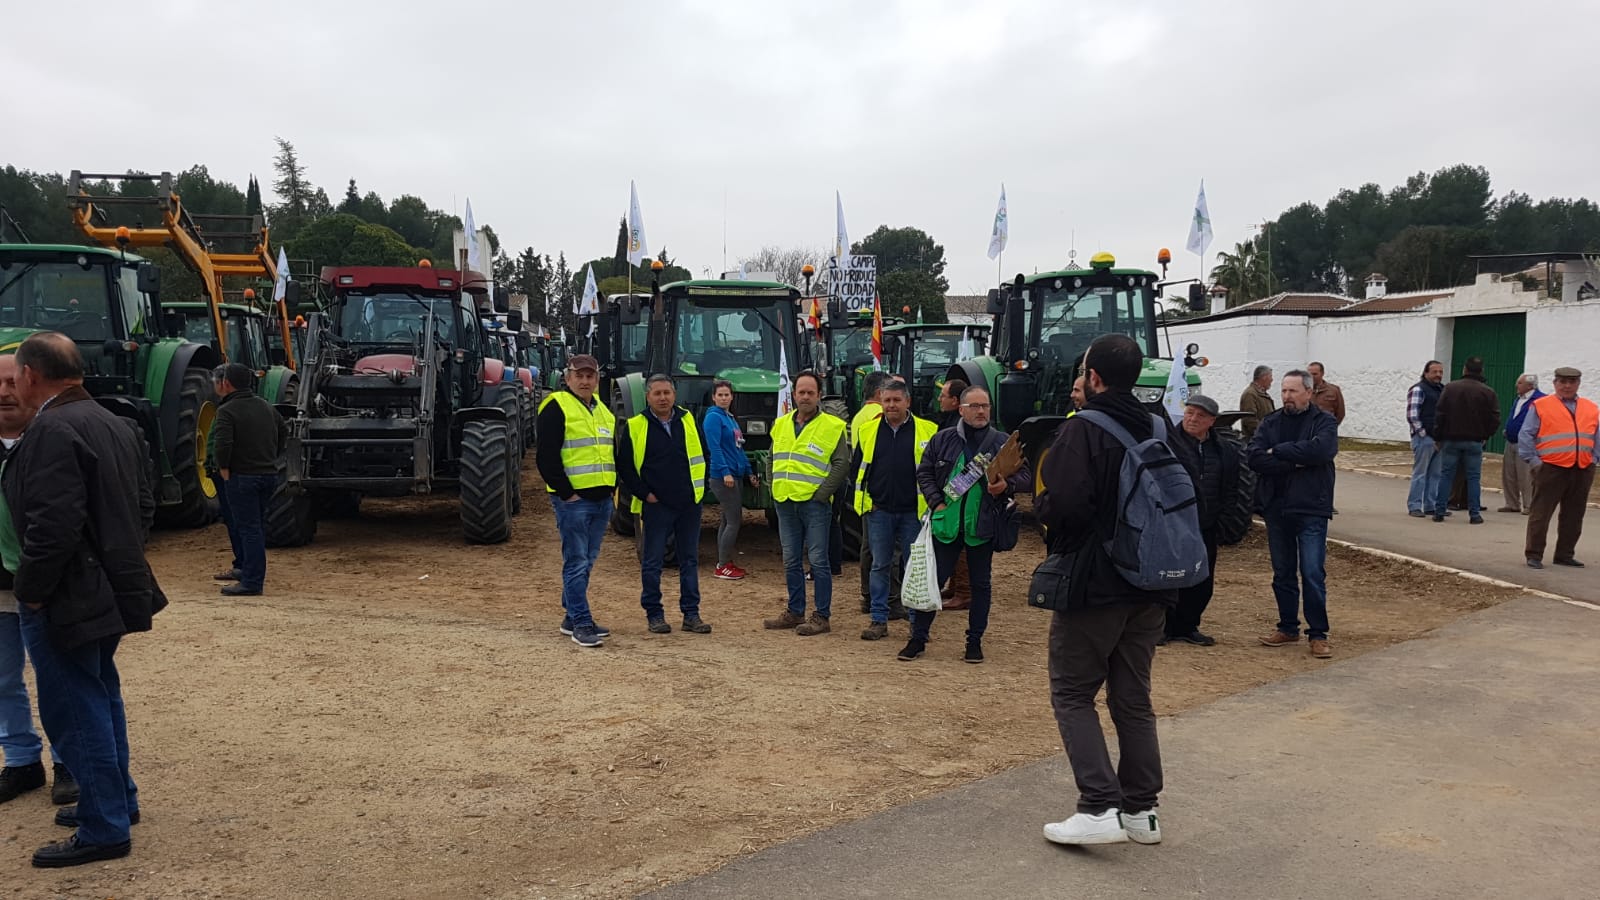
919, 590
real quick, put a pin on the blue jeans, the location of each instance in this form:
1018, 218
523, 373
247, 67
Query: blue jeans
803, 529
1468, 454
890, 535
980, 568
80, 703
227, 520
248, 496
17, 738
1425, 461
1299, 546
582, 525
684, 525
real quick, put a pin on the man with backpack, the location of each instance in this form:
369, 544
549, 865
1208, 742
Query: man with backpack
1292, 454
1104, 630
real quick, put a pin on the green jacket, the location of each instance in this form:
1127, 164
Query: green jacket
248, 435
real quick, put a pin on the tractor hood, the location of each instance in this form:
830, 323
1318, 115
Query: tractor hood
1156, 372
751, 381
11, 337
384, 363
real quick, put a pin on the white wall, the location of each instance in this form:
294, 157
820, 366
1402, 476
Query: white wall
1234, 347
1567, 334
1375, 360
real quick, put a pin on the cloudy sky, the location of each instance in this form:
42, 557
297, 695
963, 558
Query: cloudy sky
1101, 118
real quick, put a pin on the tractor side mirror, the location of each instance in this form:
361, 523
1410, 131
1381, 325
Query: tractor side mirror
836, 314
514, 320
502, 299
149, 279
291, 293
996, 302
1197, 297
628, 312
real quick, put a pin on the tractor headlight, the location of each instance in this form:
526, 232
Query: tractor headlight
1149, 394
755, 426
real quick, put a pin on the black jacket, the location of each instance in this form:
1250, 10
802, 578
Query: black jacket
1214, 465
250, 435
78, 485
939, 463
1078, 507
1468, 411
666, 466
1293, 456
552, 431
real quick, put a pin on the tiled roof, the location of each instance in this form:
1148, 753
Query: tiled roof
1396, 302
1288, 304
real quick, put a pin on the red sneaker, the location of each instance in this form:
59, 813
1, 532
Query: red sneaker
729, 572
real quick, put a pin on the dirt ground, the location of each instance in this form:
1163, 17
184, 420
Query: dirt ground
398, 716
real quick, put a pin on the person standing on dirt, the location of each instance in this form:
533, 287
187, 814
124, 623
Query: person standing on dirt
1516, 476
250, 436
729, 466
1257, 401
970, 511
576, 459
234, 569
871, 409
1326, 395
955, 591
1422, 411
24, 768
661, 458
1467, 416
1558, 441
950, 403
1292, 455
810, 456
79, 505
1213, 462
1107, 634
884, 471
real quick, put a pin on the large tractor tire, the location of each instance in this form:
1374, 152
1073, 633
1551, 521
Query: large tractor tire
197, 410
509, 398
486, 481
836, 406
623, 522
1233, 521
291, 519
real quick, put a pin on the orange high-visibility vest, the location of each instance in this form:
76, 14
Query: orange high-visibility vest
1565, 438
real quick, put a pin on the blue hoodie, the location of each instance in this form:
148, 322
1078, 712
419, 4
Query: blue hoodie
725, 442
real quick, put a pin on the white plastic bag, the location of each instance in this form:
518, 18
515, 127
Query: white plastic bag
919, 590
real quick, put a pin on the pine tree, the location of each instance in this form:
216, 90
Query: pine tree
622, 244
252, 198
352, 200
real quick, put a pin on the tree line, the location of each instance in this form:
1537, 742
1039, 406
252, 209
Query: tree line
1419, 235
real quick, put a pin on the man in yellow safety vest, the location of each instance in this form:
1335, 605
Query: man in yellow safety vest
809, 455
888, 452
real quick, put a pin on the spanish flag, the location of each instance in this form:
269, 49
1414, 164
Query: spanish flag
816, 316
877, 331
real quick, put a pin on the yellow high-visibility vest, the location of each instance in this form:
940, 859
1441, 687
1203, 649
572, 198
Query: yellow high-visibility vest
587, 445
639, 432
868, 442
800, 464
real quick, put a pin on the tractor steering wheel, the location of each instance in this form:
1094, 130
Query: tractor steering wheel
401, 334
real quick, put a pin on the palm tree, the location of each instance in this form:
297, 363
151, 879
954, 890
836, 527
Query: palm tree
1243, 272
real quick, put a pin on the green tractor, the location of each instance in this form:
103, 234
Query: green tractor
922, 354
1043, 323
844, 355
700, 331
108, 302
247, 333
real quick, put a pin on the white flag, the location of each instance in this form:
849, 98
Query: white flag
742, 275
280, 288
784, 405
841, 240
1177, 392
589, 304
1200, 227
1002, 228
638, 249
563, 334
473, 260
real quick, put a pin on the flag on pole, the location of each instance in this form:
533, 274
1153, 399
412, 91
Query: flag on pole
1200, 226
473, 259
966, 349
784, 404
877, 332
563, 334
638, 248
589, 303
1177, 391
1002, 228
742, 275
841, 239
816, 316
280, 288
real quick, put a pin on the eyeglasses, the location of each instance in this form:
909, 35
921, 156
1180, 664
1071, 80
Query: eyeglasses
975, 405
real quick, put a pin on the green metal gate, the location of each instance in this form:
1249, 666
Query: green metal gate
1502, 342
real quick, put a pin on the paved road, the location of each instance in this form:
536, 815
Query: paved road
1372, 512
1461, 764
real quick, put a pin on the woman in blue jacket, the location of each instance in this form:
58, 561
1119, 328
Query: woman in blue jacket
729, 466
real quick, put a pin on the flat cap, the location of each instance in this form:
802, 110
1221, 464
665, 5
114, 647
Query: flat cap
1204, 402
1568, 372
583, 361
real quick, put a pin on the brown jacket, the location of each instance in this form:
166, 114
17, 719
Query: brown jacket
1468, 411
1330, 400
1259, 404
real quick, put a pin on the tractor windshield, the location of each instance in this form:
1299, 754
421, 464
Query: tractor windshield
936, 349
634, 339
853, 346
1070, 319
713, 338
394, 318
59, 296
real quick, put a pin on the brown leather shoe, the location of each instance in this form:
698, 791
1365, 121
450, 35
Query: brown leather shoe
1320, 648
783, 622
1276, 638
817, 624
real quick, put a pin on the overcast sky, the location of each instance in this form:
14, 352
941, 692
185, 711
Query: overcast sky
1100, 118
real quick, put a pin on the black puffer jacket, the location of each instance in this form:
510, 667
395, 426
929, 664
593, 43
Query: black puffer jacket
939, 463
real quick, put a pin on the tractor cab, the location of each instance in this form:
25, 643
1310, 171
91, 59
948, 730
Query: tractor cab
102, 299
922, 355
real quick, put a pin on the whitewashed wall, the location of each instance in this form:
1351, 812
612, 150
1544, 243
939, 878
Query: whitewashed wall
1375, 360
1566, 335
1234, 347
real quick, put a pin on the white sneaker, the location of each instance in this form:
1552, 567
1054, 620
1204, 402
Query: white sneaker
1143, 827
1083, 828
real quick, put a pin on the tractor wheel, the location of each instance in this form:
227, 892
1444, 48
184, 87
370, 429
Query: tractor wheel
486, 481
335, 504
197, 409
152, 466
850, 528
836, 406
623, 522
1233, 521
288, 389
291, 518
509, 398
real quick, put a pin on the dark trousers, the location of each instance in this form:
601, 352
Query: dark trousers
1299, 546
1184, 619
80, 704
1567, 488
248, 496
1113, 646
659, 521
980, 570
896, 572
227, 519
